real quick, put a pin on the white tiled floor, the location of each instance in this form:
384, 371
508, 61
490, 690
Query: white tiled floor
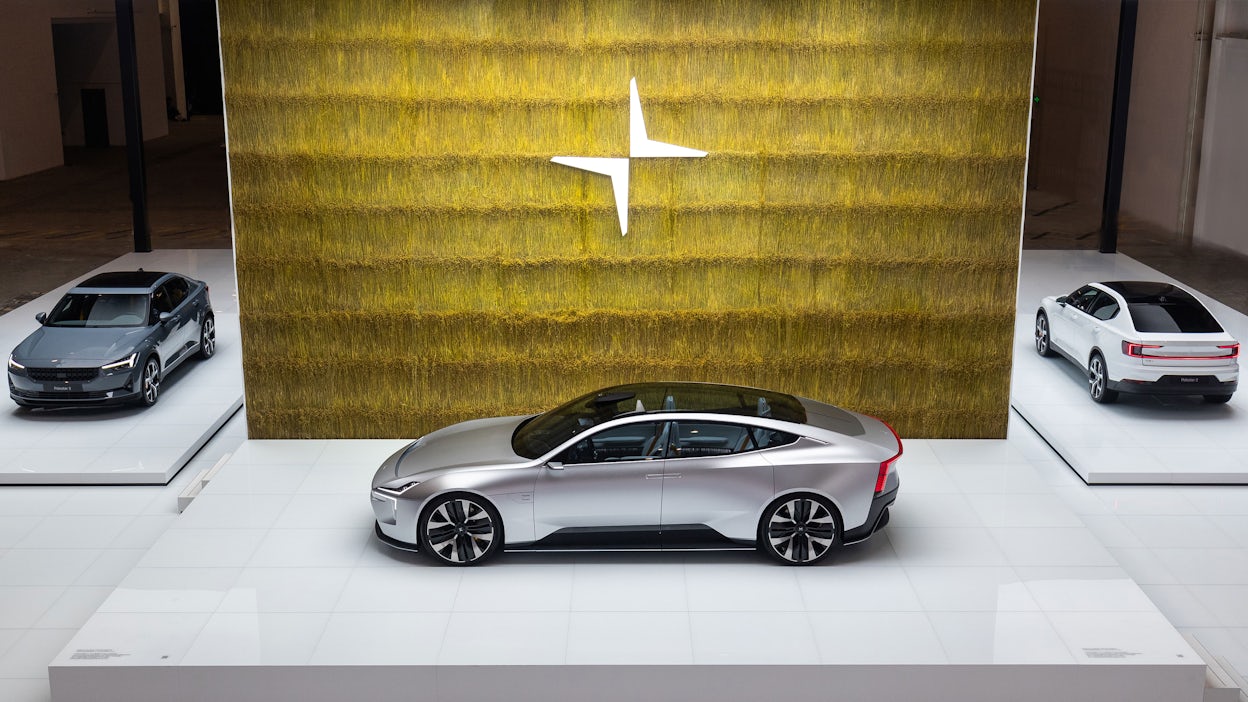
127, 444
984, 564
1140, 439
63, 549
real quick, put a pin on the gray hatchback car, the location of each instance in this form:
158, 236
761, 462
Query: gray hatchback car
648, 466
112, 339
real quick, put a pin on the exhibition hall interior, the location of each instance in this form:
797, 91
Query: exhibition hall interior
854, 350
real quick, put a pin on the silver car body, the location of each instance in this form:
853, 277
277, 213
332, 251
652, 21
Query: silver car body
837, 455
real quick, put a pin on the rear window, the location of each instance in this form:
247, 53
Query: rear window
1176, 312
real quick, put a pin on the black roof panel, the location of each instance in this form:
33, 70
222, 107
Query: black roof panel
1145, 291
123, 279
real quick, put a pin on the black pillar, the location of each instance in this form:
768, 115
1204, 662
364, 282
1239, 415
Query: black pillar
1118, 126
134, 123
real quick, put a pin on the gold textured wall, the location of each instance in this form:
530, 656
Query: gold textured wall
408, 256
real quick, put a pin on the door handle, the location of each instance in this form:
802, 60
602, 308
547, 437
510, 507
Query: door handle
661, 476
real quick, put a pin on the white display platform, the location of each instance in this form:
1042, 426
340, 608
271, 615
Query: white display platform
129, 445
271, 586
1139, 439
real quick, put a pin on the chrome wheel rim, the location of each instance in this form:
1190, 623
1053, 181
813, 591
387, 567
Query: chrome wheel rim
151, 382
1042, 335
459, 531
801, 530
1096, 377
208, 342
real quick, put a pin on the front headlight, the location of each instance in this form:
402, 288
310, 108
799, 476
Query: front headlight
124, 364
398, 491
14, 365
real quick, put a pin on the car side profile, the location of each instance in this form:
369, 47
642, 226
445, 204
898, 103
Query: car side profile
1140, 337
647, 466
112, 339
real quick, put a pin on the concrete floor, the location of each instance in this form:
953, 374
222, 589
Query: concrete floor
1057, 222
58, 224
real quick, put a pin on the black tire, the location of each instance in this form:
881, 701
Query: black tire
1098, 381
460, 529
207, 337
149, 382
1044, 342
799, 529
1217, 399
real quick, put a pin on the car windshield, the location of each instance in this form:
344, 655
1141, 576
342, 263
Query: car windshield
1174, 312
99, 310
547, 431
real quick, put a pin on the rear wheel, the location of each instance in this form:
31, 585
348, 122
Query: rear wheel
208, 337
461, 529
1098, 381
1044, 346
799, 529
1217, 399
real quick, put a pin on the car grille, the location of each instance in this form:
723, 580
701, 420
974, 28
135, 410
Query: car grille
73, 375
36, 395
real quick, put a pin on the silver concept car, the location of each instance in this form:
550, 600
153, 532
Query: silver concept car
647, 466
112, 339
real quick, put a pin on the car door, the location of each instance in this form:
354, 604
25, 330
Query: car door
715, 477
174, 297
1071, 317
1094, 333
611, 479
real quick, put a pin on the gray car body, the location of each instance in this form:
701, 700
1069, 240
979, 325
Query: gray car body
837, 456
56, 351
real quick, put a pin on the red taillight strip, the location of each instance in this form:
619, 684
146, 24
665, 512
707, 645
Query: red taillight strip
1136, 350
887, 466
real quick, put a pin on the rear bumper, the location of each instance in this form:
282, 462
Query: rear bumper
876, 518
1177, 385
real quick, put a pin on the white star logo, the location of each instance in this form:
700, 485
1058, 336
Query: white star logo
639, 146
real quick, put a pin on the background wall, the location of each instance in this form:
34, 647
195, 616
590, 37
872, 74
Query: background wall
408, 256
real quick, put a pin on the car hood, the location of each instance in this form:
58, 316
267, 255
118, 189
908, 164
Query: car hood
77, 346
479, 442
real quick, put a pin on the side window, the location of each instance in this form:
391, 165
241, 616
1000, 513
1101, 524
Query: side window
631, 442
702, 439
1083, 298
1105, 307
769, 438
177, 289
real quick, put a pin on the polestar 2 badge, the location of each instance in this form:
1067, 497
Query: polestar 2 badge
639, 146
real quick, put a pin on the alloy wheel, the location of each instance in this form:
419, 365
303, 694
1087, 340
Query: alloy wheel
1042, 335
151, 382
801, 530
1096, 378
460, 531
208, 338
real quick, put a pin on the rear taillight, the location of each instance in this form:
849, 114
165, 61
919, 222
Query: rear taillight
1135, 350
887, 467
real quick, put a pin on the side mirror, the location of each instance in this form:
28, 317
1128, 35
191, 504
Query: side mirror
165, 317
554, 465
1062, 300
42, 317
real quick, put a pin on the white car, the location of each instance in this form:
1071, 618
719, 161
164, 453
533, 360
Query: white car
1141, 337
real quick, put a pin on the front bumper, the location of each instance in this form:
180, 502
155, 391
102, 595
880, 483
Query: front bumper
105, 388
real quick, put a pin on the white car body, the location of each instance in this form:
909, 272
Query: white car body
1150, 338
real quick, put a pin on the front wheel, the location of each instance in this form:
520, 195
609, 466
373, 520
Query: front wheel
1217, 399
799, 529
461, 530
150, 382
1098, 381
